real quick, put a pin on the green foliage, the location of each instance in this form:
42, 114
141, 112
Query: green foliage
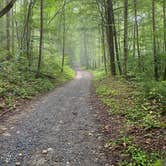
104, 91
140, 157
159, 163
99, 74
19, 83
155, 90
135, 155
151, 121
142, 106
134, 115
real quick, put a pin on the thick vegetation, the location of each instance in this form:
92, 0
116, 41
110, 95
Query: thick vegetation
30, 54
134, 87
142, 119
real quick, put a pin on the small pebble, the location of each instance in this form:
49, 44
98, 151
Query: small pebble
60, 121
50, 150
99, 138
17, 163
3, 128
90, 134
20, 154
106, 165
18, 132
6, 134
67, 163
12, 128
44, 151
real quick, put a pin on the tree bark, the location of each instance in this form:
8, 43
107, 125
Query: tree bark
137, 34
64, 36
125, 36
103, 47
8, 32
7, 8
28, 33
116, 45
13, 29
110, 35
156, 75
164, 23
41, 38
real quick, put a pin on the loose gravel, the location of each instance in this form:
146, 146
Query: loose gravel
60, 129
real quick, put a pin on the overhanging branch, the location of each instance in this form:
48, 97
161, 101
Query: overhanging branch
7, 8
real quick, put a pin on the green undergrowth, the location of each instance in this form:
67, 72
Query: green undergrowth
19, 84
142, 105
132, 155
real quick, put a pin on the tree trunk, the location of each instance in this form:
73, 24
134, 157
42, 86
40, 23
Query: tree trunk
64, 37
125, 36
134, 39
116, 46
103, 46
156, 75
137, 34
41, 39
164, 23
8, 32
28, 33
7, 8
110, 35
85, 48
13, 29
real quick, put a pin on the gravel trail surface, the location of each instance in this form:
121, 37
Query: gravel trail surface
60, 129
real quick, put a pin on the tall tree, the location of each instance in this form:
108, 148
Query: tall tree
41, 38
156, 75
110, 35
164, 25
137, 34
8, 31
116, 45
125, 36
64, 35
28, 32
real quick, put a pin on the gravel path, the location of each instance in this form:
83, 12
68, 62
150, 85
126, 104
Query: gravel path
58, 130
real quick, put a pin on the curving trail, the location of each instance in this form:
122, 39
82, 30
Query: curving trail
60, 129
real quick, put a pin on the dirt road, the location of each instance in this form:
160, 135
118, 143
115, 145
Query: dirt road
60, 129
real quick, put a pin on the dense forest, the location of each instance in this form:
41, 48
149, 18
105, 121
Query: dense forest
122, 42
128, 37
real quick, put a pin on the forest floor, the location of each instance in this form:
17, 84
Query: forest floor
62, 128
136, 134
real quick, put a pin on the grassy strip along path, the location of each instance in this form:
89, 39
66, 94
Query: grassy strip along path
17, 87
135, 127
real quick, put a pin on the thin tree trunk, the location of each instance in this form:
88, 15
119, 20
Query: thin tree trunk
64, 38
137, 34
110, 35
28, 33
103, 46
164, 23
134, 39
125, 36
156, 76
41, 38
13, 28
85, 48
8, 32
116, 46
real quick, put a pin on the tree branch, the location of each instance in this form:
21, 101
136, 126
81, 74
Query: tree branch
7, 8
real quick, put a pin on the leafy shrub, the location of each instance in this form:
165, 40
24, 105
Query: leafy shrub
16, 82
